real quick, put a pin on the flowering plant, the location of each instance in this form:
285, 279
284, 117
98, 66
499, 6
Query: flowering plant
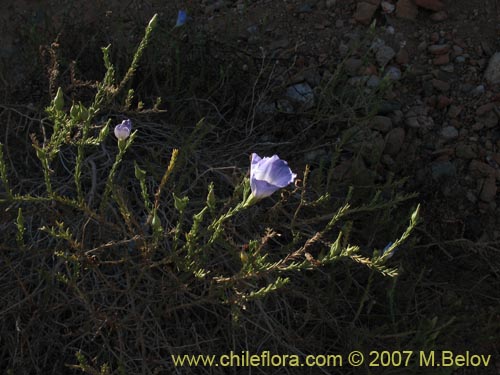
267, 175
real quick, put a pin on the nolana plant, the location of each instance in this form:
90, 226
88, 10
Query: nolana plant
204, 248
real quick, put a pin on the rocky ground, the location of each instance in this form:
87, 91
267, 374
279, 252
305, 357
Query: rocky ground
440, 122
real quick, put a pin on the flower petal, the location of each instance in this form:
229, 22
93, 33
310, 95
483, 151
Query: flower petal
269, 174
122, 131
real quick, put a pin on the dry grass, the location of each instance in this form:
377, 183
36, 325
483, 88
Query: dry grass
114, 305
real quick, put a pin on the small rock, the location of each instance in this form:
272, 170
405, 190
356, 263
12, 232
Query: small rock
353, 65
330, 3
479, 168
441, 59
489, 190
420, 122
454, 111
443, 101
486, 48
464, 151
428, 88
449, 133
413, 122
393, 73
492, 73
384, 55
394, 141
279, 44
443, 169
406, 9
478, 91
343, 49
457, 50
381, 123
422, 46
377, 43
440, 85
490, 120
373, 82
402, 57
439, 16
435, 5
439, 49
388, 106
397, 117
364, 13
418, 110
301, 93
253, 29
484, 109
447, 68
305, 8
387, 7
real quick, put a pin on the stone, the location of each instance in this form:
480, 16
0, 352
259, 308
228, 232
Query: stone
441, 59
387, 7
481, 110
478, 91
439, 49
479, 168
464, 151
382, 124
443, 101
305, 8
439, 16
440, 85
413, 122
384, 55
443, 169
301, 93
388, 106
364, 12
352, 66
394, 141
406, 9
373, 82
330, 3
449, 133
490, 120
393, 73
435, 5
454, 111
489, 190
492, 73
402, 57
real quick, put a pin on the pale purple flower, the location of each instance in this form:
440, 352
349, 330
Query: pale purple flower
122, 131
268, 175
181, 18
